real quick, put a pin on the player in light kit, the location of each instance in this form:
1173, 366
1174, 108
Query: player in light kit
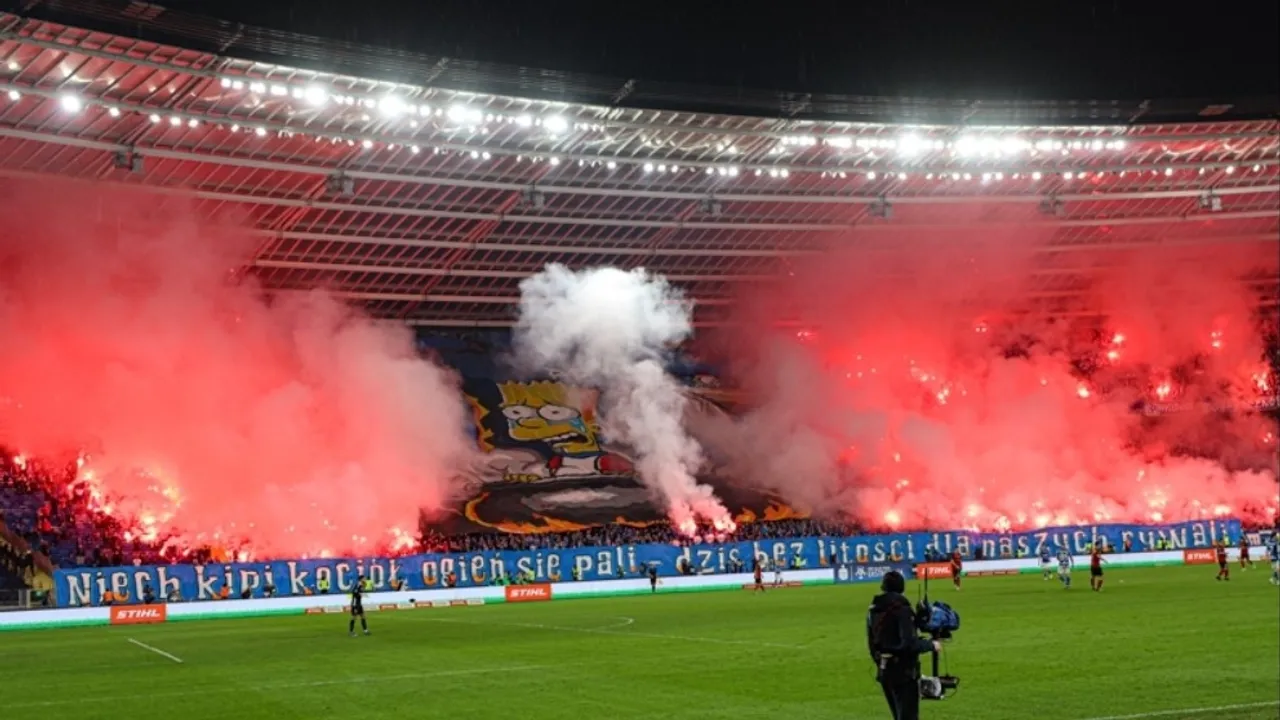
1275, 559
1046, 562
1065, 564
777, 572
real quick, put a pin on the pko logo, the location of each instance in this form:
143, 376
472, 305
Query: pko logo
875, 572
139, 615
528, 593
862, 573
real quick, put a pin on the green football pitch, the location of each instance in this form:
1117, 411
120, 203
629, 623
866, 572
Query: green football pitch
1156, 643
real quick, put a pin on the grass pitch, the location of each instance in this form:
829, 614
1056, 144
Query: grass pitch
1156, 643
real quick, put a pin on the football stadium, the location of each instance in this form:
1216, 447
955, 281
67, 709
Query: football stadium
339, 380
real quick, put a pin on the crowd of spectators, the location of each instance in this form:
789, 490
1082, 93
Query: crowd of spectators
615, 535
50, 516
57, 518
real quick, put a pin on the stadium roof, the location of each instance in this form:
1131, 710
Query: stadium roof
428, 202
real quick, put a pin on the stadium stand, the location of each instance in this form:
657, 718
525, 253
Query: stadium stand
61, 525
53, 517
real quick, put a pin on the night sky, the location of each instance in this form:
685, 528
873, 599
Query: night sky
1060, 49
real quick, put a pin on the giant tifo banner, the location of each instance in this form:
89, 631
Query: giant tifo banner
549, 467
420, 572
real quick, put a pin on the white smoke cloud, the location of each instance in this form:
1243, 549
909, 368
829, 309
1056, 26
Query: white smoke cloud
608, 328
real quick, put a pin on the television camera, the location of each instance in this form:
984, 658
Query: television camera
937, 620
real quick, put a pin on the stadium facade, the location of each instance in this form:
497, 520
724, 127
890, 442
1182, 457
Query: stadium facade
424, 189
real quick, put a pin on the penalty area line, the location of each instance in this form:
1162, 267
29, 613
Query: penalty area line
157, 651
1184, 712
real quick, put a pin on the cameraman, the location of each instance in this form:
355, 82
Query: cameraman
896, 648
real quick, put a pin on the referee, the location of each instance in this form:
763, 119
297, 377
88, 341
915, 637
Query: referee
357, 608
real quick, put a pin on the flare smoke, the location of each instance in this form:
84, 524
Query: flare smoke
204, 409
609, 328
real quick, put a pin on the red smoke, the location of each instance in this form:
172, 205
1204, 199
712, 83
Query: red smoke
923, 388
201, 406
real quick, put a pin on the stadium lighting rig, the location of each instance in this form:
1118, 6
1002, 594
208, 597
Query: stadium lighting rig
71, 103
404, 122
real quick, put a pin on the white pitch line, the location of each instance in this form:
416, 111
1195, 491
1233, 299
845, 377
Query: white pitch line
233, 687
1189, 711
625, 622
622, 633
157, 651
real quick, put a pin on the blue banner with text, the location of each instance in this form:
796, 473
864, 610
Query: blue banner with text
86, 586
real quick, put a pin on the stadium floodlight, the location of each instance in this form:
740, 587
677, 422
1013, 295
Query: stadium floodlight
315, 95
71, 103
534, 198
524, 121
555, 124
1211, 201
14, 95
340, 185
910, 144
113, 112
464, 115
1052, 206
881, 209
127, 160
392, 106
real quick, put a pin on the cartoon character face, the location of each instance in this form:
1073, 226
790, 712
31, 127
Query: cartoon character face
549, 412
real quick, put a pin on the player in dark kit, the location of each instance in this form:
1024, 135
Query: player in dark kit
653, 578
757, 572
1095, 569
1224, 572
357, 608
1245, 562
957, 565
